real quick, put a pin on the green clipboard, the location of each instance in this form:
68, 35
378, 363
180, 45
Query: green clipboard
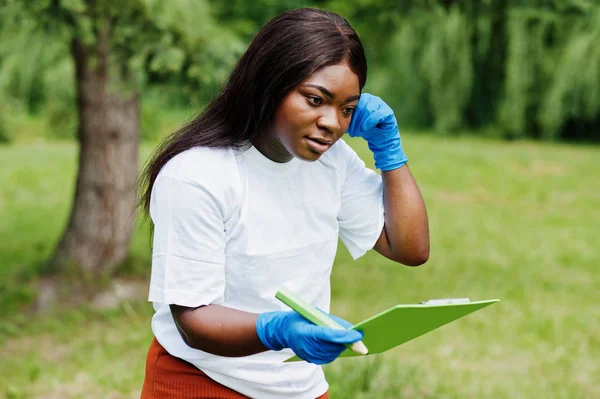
401, 323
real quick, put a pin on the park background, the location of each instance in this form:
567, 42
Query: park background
499, 107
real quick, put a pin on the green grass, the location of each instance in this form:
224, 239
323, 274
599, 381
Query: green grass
517, 221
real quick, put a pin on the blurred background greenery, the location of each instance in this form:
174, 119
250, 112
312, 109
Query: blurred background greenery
510, 68
499, 107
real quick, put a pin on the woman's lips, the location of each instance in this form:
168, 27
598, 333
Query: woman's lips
318, 146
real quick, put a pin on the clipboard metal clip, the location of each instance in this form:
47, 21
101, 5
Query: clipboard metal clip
445, 301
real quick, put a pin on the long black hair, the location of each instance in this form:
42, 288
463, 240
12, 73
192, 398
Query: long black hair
283, 54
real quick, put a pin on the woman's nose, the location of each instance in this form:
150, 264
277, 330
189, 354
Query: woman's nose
329, 120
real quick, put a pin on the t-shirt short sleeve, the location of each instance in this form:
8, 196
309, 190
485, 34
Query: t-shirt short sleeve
188, 254
361, 215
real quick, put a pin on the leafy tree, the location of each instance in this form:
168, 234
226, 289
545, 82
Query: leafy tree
114, 47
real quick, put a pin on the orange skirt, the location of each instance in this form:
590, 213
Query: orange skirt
168, 377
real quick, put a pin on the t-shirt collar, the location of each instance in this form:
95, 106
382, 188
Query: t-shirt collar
257, 159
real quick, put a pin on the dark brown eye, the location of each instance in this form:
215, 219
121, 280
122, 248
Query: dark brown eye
348, 111
314, 100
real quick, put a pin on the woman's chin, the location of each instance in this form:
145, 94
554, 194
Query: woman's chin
308, 155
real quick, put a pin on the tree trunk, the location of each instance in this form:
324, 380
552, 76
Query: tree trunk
98, 234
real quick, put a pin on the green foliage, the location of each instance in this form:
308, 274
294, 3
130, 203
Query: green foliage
157, 117
150, 42
246, 17
446, 66
407, 90
529, 69
553, 70
5, 136
432, 75
575, 92
25, 58
193, 52
60, 111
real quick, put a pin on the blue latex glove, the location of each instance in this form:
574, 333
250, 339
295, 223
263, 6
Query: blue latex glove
315, 344
374, 121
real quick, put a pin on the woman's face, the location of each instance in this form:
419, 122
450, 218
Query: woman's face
313, 116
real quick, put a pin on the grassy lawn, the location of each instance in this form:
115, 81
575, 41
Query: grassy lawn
517, 221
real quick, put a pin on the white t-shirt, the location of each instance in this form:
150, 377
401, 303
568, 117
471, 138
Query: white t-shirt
232, 227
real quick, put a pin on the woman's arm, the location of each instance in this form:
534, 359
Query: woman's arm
405, 235
229, 332
218, 330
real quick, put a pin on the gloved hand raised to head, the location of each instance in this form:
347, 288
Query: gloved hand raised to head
315, 344
374, 121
